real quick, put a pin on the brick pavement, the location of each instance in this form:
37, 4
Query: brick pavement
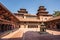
53, 32
17, 35
36, 36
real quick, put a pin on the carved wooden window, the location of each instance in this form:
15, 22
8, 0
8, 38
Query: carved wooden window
45, 18
7, 17
32, 26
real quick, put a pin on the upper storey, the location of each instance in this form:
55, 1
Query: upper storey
42, 15
42, 11
22, 10
5, 14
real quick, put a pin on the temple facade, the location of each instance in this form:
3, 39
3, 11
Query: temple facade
32, 22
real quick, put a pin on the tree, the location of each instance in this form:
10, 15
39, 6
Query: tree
56, 13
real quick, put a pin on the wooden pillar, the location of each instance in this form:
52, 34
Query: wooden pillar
9, 27
3, 27
0, 27
12, 26
6, 27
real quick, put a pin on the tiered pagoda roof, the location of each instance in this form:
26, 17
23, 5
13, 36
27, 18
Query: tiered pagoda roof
22, 10
42, 11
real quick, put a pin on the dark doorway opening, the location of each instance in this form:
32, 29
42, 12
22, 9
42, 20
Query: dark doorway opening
2, 28
58, 26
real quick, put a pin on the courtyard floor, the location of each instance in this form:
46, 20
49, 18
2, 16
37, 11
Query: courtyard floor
30, 35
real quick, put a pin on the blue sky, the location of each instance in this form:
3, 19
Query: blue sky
31, 5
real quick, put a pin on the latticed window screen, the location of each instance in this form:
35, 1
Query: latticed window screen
32, 26
7, 18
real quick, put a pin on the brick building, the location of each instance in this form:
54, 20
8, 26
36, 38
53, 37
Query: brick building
7, 20
32, 22
24, 20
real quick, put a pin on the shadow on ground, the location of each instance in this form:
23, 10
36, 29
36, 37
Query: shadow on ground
11, 39
30, 35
